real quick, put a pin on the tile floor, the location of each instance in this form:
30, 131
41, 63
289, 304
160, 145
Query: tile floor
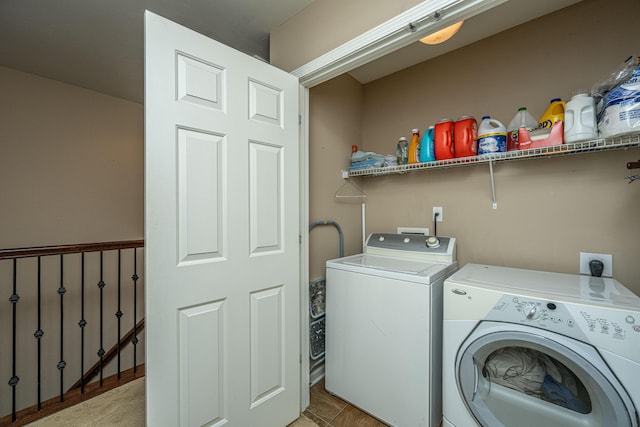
327, 410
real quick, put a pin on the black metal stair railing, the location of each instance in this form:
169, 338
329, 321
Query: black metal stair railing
37, 307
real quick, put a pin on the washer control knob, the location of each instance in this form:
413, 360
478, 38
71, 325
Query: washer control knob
381, 239
433, 242
531, 312
630, 319
406, 240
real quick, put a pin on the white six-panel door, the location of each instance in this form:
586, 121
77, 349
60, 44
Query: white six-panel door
221, 234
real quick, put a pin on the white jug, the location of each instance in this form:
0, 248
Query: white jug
492, 136
580, 119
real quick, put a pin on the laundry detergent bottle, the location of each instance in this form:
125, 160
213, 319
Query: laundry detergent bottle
414, 146
427, 149
580, 119
554, 113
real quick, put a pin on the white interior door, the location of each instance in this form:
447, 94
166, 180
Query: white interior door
222, 234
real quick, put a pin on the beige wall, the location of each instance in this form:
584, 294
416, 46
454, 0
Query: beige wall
71, 171
549, 210
71, 168
336, 108
327, 24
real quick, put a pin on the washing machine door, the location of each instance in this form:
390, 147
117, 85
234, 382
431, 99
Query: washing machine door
519, 376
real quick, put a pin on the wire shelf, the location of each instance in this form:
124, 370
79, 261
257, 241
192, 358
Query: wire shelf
602, 144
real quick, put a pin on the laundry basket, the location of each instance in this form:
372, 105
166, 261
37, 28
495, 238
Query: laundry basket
316, 339
317, 305
317, 298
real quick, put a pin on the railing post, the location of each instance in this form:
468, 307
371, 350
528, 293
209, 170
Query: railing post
135, 278
101, 286
119, 312
39, 333
13, 381
82, 322
61, 364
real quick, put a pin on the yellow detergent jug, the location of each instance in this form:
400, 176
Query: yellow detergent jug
554, 113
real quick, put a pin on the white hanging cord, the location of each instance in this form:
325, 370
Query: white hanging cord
364, 236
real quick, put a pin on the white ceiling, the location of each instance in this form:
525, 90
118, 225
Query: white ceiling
500, 18
98, 44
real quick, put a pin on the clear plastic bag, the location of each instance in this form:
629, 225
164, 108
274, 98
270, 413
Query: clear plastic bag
618, 112
621, 74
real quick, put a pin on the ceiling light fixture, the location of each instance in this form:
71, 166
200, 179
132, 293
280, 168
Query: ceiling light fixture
442, 35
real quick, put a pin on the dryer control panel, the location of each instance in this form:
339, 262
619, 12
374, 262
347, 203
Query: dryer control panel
616, 330
547, 315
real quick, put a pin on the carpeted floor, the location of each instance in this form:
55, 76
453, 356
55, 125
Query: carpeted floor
122, 407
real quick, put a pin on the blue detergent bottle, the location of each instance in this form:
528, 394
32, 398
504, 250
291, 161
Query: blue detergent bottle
427, 151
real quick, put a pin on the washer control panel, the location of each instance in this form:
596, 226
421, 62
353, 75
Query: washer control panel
614, 329
412, 246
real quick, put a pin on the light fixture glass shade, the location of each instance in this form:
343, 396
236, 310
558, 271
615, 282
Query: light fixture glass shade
442, 35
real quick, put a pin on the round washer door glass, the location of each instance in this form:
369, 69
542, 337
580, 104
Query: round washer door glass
518, 376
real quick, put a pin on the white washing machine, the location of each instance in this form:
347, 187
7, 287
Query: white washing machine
383, 344
526, 348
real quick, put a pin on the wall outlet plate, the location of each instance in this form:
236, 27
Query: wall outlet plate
437, 209
607, 260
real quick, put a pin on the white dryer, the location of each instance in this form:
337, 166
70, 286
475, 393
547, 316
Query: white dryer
383, 345
525, 348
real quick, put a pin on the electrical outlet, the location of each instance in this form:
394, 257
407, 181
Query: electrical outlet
607, 260
437, 210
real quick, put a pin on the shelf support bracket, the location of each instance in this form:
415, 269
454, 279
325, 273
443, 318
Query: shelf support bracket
493, 185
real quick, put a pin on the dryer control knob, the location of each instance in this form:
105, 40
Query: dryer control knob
433, 242
531, 311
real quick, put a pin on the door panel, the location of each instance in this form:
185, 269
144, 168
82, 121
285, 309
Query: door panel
201, 206
266, 198
202, 365
199, 82
221, 224
267, 339
265, 103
